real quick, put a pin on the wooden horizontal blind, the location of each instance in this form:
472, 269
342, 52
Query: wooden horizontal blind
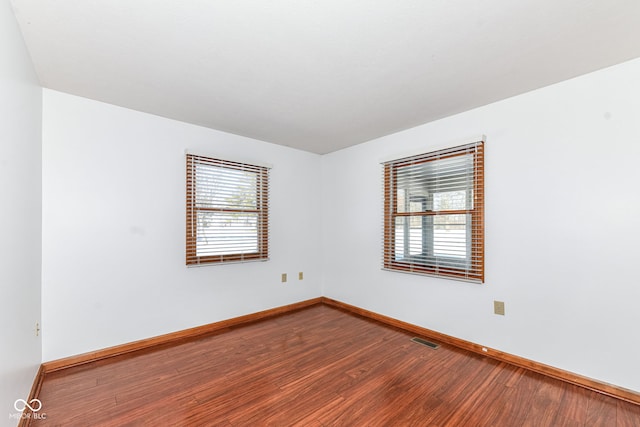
227, 211
434, 213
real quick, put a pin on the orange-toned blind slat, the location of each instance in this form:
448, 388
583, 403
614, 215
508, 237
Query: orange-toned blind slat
227, 206
434, 213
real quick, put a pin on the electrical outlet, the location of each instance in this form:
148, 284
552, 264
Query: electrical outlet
300, 276
37, 329
498, 307
284, 277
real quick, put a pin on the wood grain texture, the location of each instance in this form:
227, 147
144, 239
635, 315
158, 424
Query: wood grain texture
553, 372
319, 366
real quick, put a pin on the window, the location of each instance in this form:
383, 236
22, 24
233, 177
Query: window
434, 213
227, 211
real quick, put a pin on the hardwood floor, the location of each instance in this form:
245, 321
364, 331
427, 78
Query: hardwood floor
318, 366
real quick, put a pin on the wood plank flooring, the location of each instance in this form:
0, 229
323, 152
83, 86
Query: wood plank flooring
318, 366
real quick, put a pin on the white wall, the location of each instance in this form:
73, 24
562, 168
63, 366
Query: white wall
20, 217
562, 228
114, 228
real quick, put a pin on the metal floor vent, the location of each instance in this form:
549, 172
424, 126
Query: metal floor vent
425, 342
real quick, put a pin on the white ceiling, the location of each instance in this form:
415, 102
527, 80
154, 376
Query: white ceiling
319, 75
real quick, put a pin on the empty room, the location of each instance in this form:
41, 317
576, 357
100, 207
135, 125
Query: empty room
337, 213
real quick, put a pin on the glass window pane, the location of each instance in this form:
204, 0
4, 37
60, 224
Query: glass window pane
222, 233
415, 236
219, 187
450, 236
450, 200
409, 238
413, 190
